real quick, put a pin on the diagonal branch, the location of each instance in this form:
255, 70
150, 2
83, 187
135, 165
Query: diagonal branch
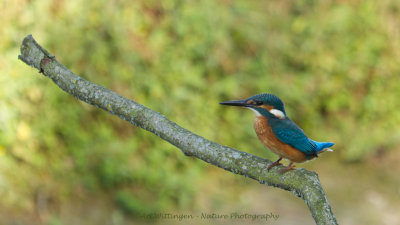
301, 182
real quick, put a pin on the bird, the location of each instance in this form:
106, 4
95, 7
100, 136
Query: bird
278, 132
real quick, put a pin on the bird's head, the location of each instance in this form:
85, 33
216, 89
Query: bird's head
267, 105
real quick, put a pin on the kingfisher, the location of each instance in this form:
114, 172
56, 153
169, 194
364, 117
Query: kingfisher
278, 133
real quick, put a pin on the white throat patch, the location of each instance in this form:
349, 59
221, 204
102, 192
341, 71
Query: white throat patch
255, 112
278, 113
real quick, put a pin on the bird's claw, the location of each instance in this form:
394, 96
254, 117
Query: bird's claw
284, 170
273, 165
276, 163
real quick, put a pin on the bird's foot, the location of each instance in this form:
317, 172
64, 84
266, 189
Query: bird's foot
276, 163
289, 167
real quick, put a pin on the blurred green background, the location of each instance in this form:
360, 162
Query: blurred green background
336, 65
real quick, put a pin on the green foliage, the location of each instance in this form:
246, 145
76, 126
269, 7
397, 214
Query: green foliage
131, 205
335, 65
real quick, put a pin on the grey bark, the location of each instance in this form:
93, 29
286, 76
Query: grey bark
300, 182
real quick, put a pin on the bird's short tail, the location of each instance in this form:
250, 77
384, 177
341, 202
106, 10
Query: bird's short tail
323, 146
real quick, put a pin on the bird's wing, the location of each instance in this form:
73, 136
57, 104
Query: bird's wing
289, 133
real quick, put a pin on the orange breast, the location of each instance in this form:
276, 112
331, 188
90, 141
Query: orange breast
266, 136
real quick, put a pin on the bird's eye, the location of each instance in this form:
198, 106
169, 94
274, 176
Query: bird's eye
259, 102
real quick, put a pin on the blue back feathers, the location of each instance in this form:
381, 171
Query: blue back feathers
289, 133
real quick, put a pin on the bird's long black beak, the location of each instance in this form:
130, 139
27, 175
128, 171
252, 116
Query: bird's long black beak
242, 103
